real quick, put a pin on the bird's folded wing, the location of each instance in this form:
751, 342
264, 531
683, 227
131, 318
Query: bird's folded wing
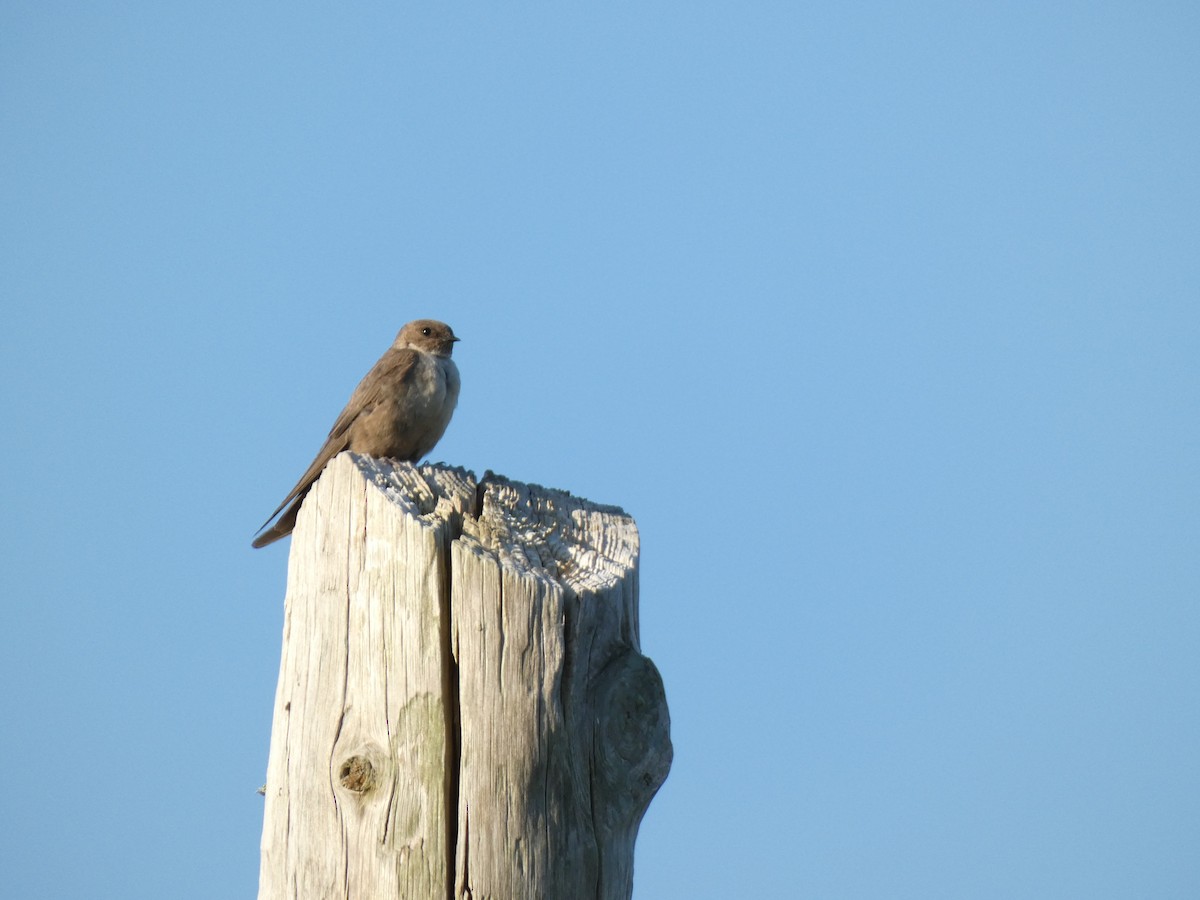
393, 369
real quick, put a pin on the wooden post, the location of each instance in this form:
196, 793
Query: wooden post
463, 709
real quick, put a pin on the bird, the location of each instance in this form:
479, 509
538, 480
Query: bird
399, 410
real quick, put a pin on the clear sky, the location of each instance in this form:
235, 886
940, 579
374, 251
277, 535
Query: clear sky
882, 319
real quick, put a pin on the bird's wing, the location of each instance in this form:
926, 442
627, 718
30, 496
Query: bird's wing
394, 368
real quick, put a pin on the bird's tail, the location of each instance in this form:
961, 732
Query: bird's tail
283, 525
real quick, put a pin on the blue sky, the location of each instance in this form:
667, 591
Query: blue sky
882, 320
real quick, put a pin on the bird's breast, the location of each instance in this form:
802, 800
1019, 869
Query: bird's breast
408, 424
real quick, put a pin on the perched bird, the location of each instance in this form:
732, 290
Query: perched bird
399, 410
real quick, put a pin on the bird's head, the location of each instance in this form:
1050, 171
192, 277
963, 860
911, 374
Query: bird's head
428, 335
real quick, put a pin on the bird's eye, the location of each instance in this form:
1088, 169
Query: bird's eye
427, 331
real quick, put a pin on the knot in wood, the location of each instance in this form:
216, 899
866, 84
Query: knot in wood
633, 736
357, 774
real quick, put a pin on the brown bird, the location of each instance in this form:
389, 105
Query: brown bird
399, 410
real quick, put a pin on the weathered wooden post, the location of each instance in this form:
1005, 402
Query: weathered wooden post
463, 709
